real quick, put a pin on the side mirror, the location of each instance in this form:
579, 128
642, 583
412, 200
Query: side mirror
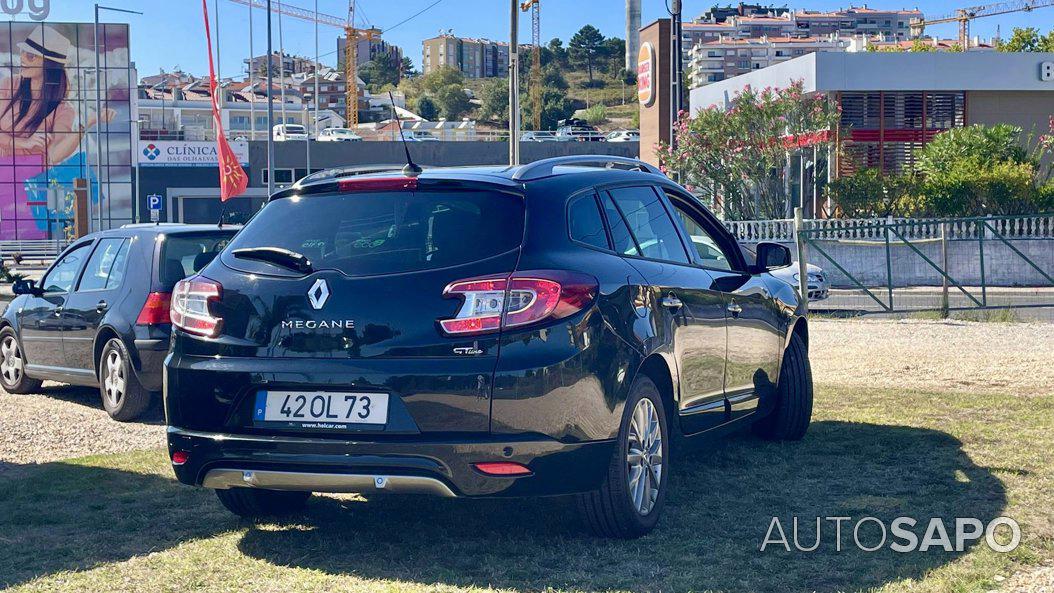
772, 256
26, 287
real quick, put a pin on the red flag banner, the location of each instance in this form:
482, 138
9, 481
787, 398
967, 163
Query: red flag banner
233, 179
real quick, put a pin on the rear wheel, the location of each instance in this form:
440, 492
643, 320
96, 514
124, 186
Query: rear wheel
253, 502
790, 419
13, 365
630, 500
123, 396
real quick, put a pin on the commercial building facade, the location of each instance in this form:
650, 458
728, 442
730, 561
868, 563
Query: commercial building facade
69, 135
892, 104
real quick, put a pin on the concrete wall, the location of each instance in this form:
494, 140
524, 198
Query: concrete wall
447, 154
866, 261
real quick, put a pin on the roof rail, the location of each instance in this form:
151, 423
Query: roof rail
544, 167
329, 174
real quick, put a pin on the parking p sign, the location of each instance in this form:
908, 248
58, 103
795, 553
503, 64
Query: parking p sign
153, 202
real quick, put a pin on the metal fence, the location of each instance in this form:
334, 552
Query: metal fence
893, 265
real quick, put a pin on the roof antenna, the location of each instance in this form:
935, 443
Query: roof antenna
411, 169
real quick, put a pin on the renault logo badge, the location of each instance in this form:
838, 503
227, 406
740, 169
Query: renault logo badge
319, 294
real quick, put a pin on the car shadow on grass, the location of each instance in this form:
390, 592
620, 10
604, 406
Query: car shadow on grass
720, 507
74, 516
69, 516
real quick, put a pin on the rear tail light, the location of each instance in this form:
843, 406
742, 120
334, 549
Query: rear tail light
502, 468
180, 457
190, 306
155, 310
524, 298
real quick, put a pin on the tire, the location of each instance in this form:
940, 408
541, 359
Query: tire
613, 510
790, 419
253, 502
13, 365
123, 397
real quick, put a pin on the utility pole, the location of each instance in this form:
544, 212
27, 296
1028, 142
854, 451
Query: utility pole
675, 68
514, 84
270, 106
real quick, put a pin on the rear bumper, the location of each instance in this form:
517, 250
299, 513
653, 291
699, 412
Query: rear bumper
151, 352
439, 467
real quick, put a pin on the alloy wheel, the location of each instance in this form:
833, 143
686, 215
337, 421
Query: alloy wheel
645, 456
114, 381
11, 363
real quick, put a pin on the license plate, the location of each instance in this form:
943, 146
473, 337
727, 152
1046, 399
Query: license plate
321, 409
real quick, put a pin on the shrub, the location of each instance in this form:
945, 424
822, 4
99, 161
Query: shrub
597, 114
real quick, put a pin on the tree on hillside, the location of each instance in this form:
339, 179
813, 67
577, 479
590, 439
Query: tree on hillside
556, 46
555, 106
1027, 39
615, 53
494, 98
445, 87
407, 67
553, 78
378, 73
427, 109
586, 48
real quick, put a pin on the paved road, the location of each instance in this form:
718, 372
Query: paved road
1033, 304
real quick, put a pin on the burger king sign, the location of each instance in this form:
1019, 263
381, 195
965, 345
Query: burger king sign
646, 75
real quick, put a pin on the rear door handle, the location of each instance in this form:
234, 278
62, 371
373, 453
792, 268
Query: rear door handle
671, 302
734, 309
102, 306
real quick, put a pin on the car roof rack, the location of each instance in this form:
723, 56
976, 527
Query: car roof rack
545, 167
334, 173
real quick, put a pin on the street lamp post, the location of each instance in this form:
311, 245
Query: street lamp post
135, 152
514, 84
98, 111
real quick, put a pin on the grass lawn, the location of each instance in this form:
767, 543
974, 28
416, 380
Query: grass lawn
121, 523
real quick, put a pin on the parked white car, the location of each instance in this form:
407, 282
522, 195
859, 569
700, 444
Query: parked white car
624, 136
818, 285
288, 132
420, 137
819, 288
338, 135
539, 136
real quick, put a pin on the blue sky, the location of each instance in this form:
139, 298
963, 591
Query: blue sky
169, 34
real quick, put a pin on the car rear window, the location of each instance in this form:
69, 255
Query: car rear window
185, 254
363, 234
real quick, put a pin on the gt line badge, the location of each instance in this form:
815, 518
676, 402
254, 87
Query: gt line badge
319, 294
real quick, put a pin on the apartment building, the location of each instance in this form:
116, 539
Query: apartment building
726, 57
887, 24
475, 58
287, 64
369, 48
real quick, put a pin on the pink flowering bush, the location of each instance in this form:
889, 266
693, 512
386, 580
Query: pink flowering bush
735, 156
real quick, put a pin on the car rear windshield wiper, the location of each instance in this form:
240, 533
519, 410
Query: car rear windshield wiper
285, 258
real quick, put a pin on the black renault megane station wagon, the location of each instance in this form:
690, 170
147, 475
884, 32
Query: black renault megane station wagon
554, 328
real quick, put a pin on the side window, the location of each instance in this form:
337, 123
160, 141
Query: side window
620, 234
710, 253
585, 223
650, 224
120, 265
101, 265
61, 277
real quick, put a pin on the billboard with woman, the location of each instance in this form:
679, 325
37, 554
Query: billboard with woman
49, 123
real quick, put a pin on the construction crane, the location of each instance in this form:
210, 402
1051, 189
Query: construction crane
535, 6
963, 16
351, 46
